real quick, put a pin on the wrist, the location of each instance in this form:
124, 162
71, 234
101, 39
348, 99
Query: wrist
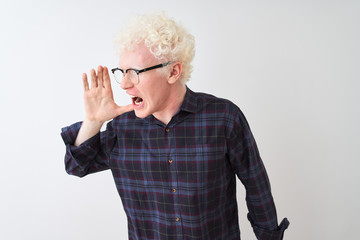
94, 124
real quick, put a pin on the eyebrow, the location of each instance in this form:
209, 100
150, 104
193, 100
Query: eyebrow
133, 68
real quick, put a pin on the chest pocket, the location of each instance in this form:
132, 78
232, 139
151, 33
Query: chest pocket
200, 152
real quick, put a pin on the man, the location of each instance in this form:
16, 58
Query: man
173, 153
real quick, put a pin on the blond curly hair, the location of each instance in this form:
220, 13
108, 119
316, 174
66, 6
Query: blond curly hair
165, 39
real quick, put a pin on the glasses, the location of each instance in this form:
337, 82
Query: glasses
133, 74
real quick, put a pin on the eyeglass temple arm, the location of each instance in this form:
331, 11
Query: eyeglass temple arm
153, 67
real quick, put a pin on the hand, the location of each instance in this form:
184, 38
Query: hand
99, 100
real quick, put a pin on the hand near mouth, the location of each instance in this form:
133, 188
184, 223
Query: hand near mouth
99, 104
99, 101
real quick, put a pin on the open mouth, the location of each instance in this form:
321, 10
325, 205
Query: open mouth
137, 100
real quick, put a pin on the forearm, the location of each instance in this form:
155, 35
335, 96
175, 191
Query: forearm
245, 159
91, 156
88, 130
262, 210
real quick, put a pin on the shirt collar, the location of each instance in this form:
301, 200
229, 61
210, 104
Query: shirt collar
192, 102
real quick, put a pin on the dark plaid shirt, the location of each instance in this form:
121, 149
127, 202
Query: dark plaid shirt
177, 181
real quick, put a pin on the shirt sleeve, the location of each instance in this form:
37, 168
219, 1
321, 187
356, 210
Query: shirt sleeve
247, 164
91, 156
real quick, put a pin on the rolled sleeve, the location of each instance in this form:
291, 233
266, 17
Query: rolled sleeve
264, 234
86, 158
70, 133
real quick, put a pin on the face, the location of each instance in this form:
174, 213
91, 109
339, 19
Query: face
152, 94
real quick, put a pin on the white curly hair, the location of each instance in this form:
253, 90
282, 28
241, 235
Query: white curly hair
165, 39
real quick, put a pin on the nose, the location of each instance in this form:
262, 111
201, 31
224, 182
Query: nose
126, 83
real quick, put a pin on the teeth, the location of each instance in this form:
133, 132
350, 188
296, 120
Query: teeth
138, 101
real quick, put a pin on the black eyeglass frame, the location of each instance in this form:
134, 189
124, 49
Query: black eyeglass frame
140, 71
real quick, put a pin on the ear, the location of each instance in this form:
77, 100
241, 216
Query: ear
175, 72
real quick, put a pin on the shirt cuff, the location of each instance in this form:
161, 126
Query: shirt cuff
77, 157
70, 133
278, 234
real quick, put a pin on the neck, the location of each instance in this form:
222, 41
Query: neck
175, 99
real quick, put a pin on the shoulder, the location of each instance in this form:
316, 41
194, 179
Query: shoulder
209, 102
221, 110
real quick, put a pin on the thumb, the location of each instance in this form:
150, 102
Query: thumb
124, 109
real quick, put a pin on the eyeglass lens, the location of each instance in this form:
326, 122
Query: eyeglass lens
131, 75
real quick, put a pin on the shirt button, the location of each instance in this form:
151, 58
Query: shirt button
170, 161
167, 130
173, 190
177, 219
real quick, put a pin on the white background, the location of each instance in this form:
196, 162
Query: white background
291, 66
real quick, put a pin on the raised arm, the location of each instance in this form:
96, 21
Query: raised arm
99, 104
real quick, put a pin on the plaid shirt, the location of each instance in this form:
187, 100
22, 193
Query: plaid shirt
177, 181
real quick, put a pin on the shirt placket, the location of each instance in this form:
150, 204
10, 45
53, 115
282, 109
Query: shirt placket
177, 221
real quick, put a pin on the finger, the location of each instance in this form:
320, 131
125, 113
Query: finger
107, 83
124, 109
85, 82
93, 78
100, 76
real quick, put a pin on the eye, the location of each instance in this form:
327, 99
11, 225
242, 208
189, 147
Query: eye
132, 75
